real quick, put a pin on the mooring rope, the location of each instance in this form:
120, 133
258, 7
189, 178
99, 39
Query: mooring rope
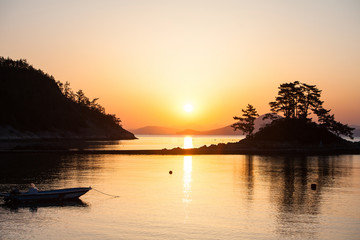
115, 196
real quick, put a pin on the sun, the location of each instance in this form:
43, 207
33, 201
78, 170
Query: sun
188, 107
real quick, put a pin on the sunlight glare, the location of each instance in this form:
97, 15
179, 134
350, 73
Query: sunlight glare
188, 142
188, 165
188, 107
187, 182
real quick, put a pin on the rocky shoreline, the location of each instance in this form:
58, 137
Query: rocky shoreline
8, 133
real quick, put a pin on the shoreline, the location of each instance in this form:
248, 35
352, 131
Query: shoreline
211, 150
242, 147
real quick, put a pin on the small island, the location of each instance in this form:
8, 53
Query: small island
285, 136
294, 132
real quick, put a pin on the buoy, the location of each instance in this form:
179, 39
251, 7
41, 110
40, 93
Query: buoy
313, 186
170, 172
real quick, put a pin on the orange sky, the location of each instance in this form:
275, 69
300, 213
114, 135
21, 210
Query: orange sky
146, 59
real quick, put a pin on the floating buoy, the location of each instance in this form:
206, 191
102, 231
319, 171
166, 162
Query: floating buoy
313, 186
170, 172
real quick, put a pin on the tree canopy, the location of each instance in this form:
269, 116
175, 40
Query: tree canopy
298, 100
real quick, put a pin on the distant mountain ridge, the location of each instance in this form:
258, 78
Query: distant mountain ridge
158, 130
155, 130
34, 107
227, 130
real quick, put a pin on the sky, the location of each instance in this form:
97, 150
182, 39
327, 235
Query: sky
146, 60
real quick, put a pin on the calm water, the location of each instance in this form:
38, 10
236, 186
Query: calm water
206, 197
160, 142
144, 142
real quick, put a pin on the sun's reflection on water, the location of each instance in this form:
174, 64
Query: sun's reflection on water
187, 177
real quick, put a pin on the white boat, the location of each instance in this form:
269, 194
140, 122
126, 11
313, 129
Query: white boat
59, 194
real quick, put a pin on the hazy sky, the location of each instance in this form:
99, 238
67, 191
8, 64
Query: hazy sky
146, 59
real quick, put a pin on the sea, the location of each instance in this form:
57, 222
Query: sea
205, 197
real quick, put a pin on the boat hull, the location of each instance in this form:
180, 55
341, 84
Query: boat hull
60, 194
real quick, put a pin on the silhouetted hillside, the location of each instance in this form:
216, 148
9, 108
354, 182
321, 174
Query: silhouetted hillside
33, 106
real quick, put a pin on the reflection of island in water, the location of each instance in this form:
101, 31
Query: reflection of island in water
290, 180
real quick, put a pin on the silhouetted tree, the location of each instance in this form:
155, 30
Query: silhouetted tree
66, 90
286, 100
81, 98
114, 119
95, 106
309, 99
19, 64
246, 122
296, 99
328, 121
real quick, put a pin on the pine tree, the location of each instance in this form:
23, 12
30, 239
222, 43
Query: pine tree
246, 122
